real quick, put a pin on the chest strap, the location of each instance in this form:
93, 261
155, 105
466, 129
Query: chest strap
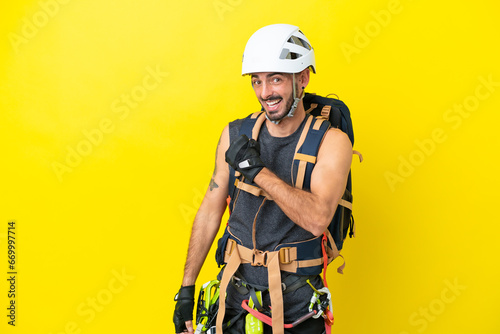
254, 190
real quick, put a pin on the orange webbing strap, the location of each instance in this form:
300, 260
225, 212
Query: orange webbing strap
288, 257
358, 154
256, 191
304, 132
301, 172
305, 157
345, 204
229, 270
276, 293
313, 106
318, 123
299, 183
256, 114
258, 124
334, 252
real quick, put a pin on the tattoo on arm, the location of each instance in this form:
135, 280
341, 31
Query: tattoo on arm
213, 184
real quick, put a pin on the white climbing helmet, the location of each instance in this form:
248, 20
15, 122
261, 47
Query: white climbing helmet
278, 48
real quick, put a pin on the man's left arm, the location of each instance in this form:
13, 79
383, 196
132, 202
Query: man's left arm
313, 210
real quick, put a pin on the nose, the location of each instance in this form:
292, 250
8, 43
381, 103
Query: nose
266, 91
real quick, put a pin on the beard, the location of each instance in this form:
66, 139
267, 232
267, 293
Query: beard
282, 112
277, 115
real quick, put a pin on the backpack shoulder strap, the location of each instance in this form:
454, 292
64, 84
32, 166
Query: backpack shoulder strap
251, 128
252, 124
307, 150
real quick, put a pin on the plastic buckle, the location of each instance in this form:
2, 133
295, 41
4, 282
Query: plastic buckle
284, 254
259, 258
325, 112
231, 245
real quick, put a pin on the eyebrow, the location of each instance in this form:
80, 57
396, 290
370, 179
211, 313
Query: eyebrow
269, 75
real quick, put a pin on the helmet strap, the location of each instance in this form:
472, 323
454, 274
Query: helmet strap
294, 106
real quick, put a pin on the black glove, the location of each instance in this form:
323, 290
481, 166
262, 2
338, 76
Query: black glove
183, 308
244, 156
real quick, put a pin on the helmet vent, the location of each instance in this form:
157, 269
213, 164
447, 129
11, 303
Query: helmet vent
286, 54
299, 41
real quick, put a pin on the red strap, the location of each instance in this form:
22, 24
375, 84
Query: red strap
329, 315
325, 258
328, 321
228, 201
328, 328
262, 317
268, 320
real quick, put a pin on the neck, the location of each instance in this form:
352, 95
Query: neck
288, 125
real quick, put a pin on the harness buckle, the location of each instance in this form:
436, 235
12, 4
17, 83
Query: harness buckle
259, 258
231, 245
284, 254
325, 112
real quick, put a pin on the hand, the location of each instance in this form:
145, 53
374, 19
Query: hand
183, 313
244, 156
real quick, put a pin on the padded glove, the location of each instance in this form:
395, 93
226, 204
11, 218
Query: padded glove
183, 308
244, 156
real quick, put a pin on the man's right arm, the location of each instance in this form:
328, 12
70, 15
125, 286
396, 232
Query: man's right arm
208, 218
205, 227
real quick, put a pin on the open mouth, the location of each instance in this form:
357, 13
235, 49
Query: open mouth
273, 105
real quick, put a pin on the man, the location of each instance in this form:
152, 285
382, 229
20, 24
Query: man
278, 59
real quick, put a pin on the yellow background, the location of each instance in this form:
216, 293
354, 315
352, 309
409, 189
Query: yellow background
125, 207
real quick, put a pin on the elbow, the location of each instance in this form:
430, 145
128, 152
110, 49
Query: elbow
318, 232
320, 225
321, 217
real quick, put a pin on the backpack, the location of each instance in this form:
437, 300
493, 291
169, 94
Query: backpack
339, 116
327, 112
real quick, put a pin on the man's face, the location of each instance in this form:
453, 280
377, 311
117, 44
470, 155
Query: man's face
275, 93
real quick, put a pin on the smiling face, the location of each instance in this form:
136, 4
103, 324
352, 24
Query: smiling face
275, 91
